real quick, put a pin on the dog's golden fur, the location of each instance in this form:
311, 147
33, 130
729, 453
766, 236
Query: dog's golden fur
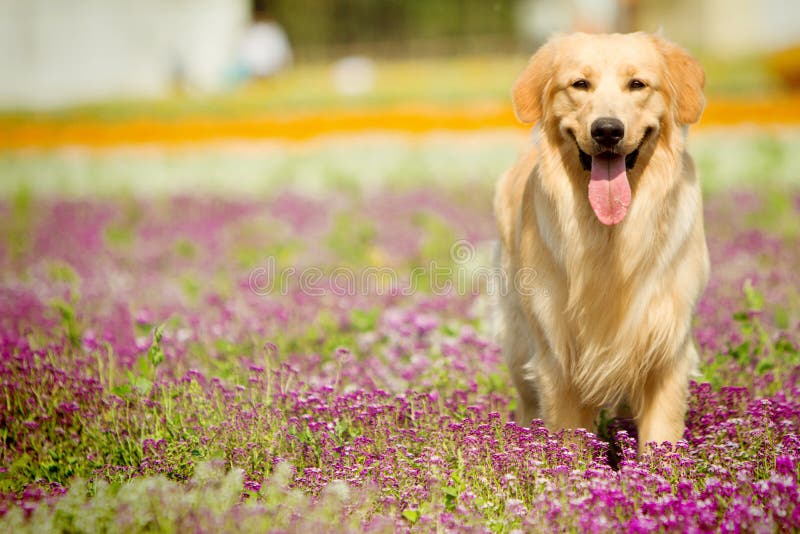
598, 315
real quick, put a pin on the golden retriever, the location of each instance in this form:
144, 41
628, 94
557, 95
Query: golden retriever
602, 245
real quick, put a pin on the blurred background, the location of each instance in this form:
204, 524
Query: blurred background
171, 75
227, 173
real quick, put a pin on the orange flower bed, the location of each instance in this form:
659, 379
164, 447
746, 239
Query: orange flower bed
413, 118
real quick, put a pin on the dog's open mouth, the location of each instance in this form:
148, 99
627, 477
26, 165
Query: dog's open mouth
609, 189
586, 159
630, 159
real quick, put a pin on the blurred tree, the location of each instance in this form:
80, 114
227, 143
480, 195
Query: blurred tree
388, 27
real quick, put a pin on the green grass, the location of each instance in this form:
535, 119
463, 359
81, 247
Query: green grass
309, 88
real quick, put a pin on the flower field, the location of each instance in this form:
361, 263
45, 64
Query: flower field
313, 351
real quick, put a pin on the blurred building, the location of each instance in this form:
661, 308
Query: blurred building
724, 28
58, 52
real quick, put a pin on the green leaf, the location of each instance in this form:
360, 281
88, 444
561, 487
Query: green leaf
450, 498
68, 321
122, 390
741, 316
741, 353
764, 366
139, 383
754, 299
343, 430
158, 333
449, 330
450, 491
411, 515
782, 318
784, 346
155, 354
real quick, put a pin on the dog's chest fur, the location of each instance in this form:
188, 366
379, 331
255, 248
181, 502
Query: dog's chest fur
617, 294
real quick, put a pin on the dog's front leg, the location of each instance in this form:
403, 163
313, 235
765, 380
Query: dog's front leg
519, 351
561, 405
662, 407
528, 407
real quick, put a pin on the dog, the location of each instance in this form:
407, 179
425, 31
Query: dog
602, 248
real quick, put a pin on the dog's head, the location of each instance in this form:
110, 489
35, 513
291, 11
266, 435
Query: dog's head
608, 97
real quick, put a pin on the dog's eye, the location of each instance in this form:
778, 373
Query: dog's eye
580, 84
635, 84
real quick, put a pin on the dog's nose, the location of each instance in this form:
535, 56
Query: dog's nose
607, 131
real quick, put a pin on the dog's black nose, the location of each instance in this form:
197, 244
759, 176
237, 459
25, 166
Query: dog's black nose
607, 131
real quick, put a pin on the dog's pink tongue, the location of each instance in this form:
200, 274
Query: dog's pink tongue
609, 190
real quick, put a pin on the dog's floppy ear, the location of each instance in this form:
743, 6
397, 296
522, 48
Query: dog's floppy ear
686, 80
528, 91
